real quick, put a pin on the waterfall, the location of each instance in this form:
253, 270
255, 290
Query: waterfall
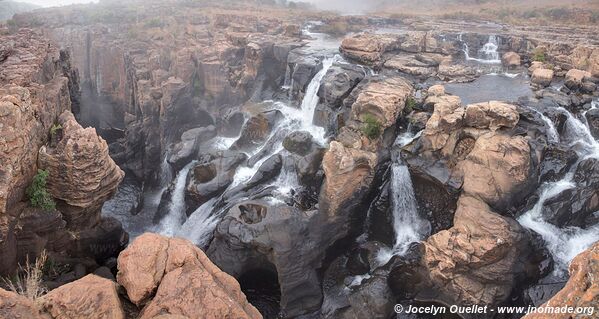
551, 131
176, 209
487, 54
287, 82
166, 173
407, 224
200, 225
564, 243
311, 98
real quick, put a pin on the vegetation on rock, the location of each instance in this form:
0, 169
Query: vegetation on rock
38, 194
371, 126
28, 282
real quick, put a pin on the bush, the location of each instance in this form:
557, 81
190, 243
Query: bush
371, 127
539, 55
37, 192
410, 105
154, 23
29, 282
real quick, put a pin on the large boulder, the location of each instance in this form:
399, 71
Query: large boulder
575, 77
81, 172
384, 98
89, 297
180, 280
542, 77
581, 290
348, 172
510, 59
367, 48
497, 168
447, 117
338, 83
492, 115
191, 139
478, 260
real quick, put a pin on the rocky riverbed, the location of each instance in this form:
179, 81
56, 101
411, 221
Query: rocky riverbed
240, 160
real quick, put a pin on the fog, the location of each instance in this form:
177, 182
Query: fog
54, 3
347, 6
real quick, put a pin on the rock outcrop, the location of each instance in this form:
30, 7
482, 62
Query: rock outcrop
581, 290
478, 260
82, 174
172, 276
89, 297
542, 77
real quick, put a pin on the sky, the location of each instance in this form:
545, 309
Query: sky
52, 3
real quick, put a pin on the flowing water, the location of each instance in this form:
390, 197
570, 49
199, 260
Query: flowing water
200, 225
566, 242
487, 54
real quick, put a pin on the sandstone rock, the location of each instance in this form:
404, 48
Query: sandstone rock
82, 174
383, 98
367, 48
185, 150
542, 77
581, 290
534, 65
412, 65
478, 259
89, 297
16, 306
183, 279
448, 115
593, 119
575, 77
492, 115
347, 171
496, 168
436, 90
511, 59
254, 132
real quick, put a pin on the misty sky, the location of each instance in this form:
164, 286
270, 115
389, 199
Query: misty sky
52, 3
345, 6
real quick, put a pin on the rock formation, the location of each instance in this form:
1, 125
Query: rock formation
175, 277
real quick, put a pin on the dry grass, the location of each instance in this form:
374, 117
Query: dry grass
28, 282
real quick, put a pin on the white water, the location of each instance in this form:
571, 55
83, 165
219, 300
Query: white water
407, 224
176, 209
200, 225
551, 131
487, 54
564, 243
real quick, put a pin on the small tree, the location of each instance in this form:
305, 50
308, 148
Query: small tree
371, 127
37, 192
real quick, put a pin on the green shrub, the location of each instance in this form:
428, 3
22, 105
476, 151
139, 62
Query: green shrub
37, 192
154, 23
410, 105
371, 127
539, 55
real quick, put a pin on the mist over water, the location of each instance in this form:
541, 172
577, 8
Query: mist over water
347, 6
56, 3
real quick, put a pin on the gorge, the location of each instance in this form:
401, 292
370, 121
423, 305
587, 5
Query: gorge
257, 159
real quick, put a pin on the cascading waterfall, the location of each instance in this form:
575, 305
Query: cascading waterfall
407, 224
487, 54
310, 101
551, 131
200, 225
565, 243
176, 209
287, 81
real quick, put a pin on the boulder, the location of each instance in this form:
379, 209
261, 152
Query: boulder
254, 132
384, 98
542, 77
510, 59
593, 119
414, 65
367, 48
298, 142
89, 297
448, 116
479, 259
180, 280
338, 83
436, 90
81, 172
574, 78
13, 305
582, 288
492, 115
497, 168
188, 148
348, 172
